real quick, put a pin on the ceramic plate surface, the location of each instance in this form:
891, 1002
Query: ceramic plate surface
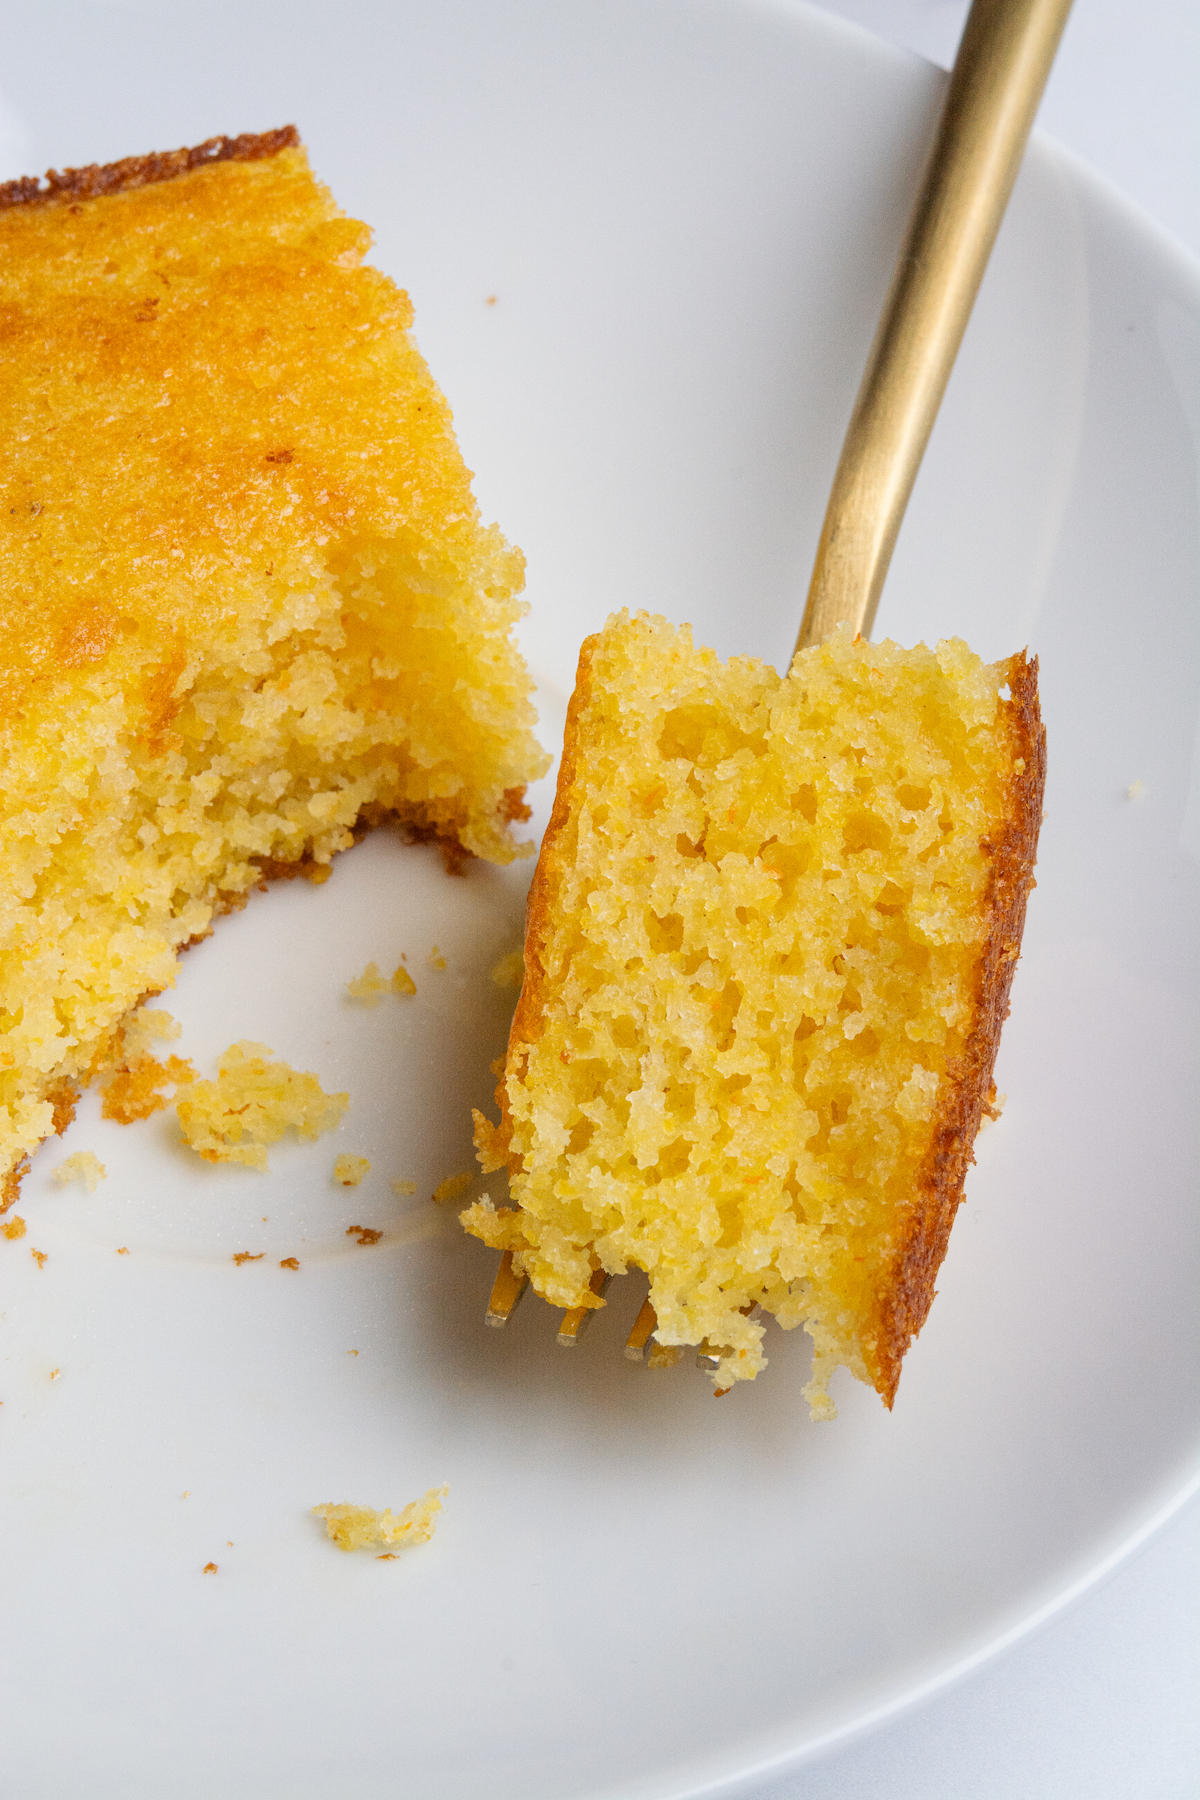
686, 212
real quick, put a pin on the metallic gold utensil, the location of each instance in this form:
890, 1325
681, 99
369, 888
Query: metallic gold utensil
1003, 60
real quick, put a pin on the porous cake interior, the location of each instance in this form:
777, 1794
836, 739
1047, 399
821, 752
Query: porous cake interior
247, 603
768, 950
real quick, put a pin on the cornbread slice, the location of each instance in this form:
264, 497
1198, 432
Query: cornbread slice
768, 953
247, 605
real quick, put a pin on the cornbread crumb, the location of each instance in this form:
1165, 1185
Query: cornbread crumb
122, 1250
132, 1091
401, 1187
436, 959
245, 1256
40, 1257
452, 1187
251, 1104
769, 946
1135, 790
993, 1107
14, 1227
348, 1171
368, 986
148, 1025
54, 1374
359, 1528
289, 1262
83, 1166
250, 606
402, 981
366, 1234
209, 1569
509, 972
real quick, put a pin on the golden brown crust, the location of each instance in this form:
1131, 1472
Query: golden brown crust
540, 907
967, 1088
10, 1189
141, 171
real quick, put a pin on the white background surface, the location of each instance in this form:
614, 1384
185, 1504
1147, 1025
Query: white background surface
1101, 1704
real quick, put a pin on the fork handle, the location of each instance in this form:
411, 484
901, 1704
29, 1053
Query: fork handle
999, 73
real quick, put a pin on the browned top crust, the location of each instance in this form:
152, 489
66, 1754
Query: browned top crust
141, 171
529, 1019
967, 1087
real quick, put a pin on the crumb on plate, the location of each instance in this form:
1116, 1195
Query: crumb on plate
251, 1104
14, 1227
509, 972
245, 1256
289, 1262
359, 1527
348, 1171
368, 986
366, 1234
401, 1186
83, 1166
452, 1187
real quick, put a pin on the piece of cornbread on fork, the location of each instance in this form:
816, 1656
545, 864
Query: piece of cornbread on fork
768, 954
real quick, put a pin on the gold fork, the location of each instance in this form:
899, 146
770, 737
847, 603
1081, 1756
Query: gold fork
999, 73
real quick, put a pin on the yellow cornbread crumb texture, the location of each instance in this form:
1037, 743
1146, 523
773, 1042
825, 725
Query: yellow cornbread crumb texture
371, 985
348, 1171
248, 602
452, 1187
251, 1104
132, 1089
752, 960
359, 1528
84, 1166
368, 986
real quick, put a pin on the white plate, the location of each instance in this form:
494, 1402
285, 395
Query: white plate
686, 212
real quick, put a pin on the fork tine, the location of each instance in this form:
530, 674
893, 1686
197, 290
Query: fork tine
643, 1329
506, 1291
508, 1288
574, 1323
